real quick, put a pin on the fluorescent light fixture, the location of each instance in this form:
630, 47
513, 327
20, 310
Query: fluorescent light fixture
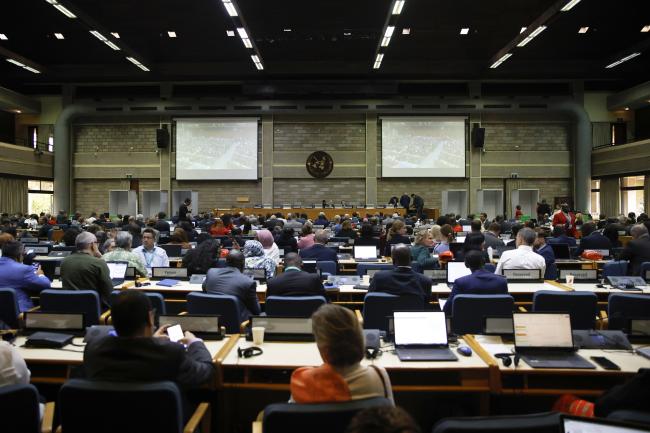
171, 34
570, 5
242, 32
399, 5
523, 29
98, 35
59, 36
247, 43
286, 30
255, 58
112, 45
116, 35
583, 30
257, 61
378, 60
464, 31
15, 62
531, 36
138, 64
387, 35
406, 31
501, 60
29, 68
624, 59
3, 37
230, 8
61, 8
230, 33
259, 66
645, 29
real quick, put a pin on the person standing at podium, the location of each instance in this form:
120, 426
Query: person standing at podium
184, 212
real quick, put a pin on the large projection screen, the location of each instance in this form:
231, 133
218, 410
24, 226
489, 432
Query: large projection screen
216, 148
423, 146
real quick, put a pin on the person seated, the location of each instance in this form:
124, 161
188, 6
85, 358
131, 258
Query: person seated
492, 236
396, 235
346, 230
122, 253
321, 220
271, 250
151, 255
319, 251
402, 280
611, 232
24, 279
161, 224
231, 281
367, 236
218, 228
179, 237
255, 258
592, 239
523, 257
136, 234
637, 250
340, 342
383, 419
420, 251
85, 270
447, 236
202, 258
543, 249
479, 282
286, 241
474, 241
294, 281
560, 237
306, 237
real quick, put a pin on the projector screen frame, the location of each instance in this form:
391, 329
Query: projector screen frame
440, 117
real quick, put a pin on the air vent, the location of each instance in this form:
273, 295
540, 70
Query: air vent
211, 107
461, 106
143, 108
502, 106
319, 107
544, 106
108, 109
354, 107
427, 106
283, 107
179, 108
390, 107
247, 107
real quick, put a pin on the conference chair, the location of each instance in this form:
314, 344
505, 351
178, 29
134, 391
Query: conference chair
378, 307
630, 416
621, 307
327, 267
293, 306
9, 310
363, 268
551, 272
73, 301
582, 306
19, 410
469, 311
615, 269
315, 418
417, 267
545, 422
227, 307
645, 267
108, 407
156, 299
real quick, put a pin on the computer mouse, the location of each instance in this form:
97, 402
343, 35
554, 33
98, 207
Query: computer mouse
464, 350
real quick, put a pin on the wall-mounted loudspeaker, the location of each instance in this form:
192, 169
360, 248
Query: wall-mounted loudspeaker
478, 136
162, 138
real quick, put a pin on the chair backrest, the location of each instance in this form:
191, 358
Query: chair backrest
490, 267
621, 307
645, 266
630, 416
615, 269
228, 307
551, 272
103, 407
156, 299
417, 267
328, 266
72, 301
315, 418
9, 310
469, 311
377, 307
363, 268
19, 410
546, 422
582, 306
293, 306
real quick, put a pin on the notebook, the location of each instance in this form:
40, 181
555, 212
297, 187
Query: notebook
421, 336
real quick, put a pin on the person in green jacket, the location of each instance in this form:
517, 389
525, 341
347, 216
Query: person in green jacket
420, 250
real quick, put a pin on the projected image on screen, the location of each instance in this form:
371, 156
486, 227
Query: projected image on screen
423, 146
223, 148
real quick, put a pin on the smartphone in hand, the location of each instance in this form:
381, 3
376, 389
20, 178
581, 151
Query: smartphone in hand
175, 333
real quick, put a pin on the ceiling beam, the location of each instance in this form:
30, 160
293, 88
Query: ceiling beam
15, 102
10, 55
632, 97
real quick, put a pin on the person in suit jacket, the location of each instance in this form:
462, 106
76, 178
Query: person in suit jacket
637, 250
592, 239
22, 278
479, 282
405, 201
402, 280
319, 251
492, 236
545, 250
231, 281
560, 237
294, 281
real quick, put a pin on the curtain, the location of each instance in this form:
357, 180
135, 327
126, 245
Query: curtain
610, 196
13, 195
601, 133
646, 193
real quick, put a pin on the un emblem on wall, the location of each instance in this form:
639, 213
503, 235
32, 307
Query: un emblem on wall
319, 164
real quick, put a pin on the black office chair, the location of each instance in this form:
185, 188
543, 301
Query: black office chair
9, 310
315, 418
582, 306
293, 306
19, 410
469, 311
379, 306
631, 416
621, 307
108, 407
73, 301
545, 422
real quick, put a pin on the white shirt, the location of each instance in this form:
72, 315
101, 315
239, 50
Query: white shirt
157, 258
522, 258
13, 370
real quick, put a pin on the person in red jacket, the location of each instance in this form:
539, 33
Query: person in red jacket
567, 219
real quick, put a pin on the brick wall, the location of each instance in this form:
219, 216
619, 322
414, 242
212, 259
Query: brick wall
528, 136
307, 191
114, 138
91, 195
215, 193
319, 136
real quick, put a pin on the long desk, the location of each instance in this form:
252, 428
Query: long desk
313, 213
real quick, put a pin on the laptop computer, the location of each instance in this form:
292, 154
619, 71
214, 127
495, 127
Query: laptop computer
282, 328
456, 270
172, 250
68, 323
118, 272
545, 340
365, 253
197, 278
258, 275
436, 275
421, 336
456, 248
561, 251
205, 327
626, 283
575, 424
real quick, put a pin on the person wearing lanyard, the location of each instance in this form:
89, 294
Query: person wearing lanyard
294, 281
151, 256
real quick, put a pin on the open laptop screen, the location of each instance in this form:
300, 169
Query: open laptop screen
542, 330
117, 269
420, 327
365, 252
456, 270
591, 425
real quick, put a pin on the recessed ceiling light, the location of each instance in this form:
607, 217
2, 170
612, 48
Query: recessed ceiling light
583, 30
59, 36
406, 31
3, 37
18, 111
286, 30
230, 8
230, 33
627, 108
171, 34
523, 29
347, 34
116, 35
645, 29
464, 31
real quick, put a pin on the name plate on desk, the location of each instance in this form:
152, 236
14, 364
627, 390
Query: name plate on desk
522, 274
169, 273
647, 275
580, 274
436, 274
37, 249
604, 253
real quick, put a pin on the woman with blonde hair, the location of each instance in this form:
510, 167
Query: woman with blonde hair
420, 251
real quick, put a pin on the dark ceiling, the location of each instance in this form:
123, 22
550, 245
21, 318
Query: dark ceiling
329, 41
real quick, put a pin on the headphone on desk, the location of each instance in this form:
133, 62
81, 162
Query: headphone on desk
373, 352
249, 352
506, 358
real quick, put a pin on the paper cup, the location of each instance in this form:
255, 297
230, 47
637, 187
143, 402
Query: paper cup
258, 335
569, 279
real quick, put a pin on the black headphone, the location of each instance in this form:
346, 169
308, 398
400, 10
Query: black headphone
506, 358
249, 352
373, 352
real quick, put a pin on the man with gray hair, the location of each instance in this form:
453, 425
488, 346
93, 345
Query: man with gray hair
320, 251
122, 253
84, 270
637, 250
523, 257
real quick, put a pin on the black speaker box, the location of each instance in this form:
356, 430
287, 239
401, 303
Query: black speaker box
162, 138
478, 136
